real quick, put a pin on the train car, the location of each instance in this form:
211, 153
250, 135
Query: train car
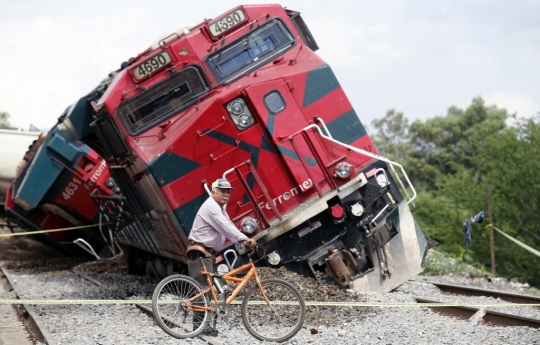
54, 188
13, 145
244, 96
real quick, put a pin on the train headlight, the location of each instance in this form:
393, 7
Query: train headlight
249, 225
343, 170
357, 209
236, 108
240, 113
244, 121
273, 258
111, 183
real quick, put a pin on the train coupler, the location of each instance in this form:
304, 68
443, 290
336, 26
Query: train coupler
340, 265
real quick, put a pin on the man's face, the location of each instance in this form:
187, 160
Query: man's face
221, 196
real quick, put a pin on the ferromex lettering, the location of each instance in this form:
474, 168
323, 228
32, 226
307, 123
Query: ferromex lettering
97, 173
307, 184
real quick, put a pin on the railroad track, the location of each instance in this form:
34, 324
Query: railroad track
32, 321
39, 330
19, 324
491, 317
471, 291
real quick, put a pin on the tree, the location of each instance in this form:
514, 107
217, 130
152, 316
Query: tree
445, 142
450, 160
508, 162
4, 122
393, 141
392, 137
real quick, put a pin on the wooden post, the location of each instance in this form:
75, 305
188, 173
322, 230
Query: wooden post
491, 239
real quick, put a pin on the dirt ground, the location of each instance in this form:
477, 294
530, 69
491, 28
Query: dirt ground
312, 291
15, 248
116, 264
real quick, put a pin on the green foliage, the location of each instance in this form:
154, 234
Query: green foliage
507, 161
440, 263
444, 143
441, 219
4, 122
392, 138
450, 160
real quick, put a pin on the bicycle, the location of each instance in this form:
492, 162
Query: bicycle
272, 309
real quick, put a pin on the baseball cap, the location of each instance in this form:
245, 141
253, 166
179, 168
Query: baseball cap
221, 183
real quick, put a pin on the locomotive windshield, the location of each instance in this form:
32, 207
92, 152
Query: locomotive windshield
162, 99
251, 51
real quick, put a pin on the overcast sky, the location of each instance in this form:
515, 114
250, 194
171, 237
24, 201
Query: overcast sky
418, 56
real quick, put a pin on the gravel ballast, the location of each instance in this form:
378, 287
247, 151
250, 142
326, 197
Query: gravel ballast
125, 324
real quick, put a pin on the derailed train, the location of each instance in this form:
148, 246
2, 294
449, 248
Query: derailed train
243, 96
52, 190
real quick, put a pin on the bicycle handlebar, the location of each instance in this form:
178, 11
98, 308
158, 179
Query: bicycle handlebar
254, 250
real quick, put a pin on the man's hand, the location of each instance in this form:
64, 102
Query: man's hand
250, 242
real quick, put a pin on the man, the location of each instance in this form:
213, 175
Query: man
211, 227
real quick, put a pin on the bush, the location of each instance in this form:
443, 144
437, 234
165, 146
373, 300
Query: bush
439, 263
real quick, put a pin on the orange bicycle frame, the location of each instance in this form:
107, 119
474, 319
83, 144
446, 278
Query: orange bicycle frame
229, 276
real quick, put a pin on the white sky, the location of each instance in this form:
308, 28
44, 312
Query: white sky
416, 56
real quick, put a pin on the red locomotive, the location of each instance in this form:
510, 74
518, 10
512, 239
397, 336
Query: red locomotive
244, 96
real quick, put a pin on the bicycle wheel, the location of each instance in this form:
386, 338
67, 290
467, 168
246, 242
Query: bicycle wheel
282, 323
170, 314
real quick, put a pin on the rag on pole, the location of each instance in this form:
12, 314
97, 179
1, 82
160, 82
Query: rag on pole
479, 218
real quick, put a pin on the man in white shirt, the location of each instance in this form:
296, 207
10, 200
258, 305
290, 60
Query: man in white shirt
211, 227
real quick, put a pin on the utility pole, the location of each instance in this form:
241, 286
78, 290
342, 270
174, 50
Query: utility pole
491, 239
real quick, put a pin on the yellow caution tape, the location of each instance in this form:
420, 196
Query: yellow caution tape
519, 243
310, 303
51, 230
72, 301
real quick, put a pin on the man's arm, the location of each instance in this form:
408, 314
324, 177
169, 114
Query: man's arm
220, 223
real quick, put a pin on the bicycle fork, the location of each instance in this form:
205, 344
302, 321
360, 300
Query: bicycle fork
263, 293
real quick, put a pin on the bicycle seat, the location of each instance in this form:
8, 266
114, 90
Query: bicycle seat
197, 248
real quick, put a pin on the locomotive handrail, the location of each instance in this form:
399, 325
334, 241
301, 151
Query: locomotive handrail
362, 152
210, 130
74, 172
223, 154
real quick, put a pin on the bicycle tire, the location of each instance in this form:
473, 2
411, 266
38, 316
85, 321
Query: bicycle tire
172, 318
277, 326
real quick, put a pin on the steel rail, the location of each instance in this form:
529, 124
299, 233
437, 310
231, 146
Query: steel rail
35, 324
471, 291
147, 310
492, 317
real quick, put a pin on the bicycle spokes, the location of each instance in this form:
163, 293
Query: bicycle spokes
173, 302
280, 320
